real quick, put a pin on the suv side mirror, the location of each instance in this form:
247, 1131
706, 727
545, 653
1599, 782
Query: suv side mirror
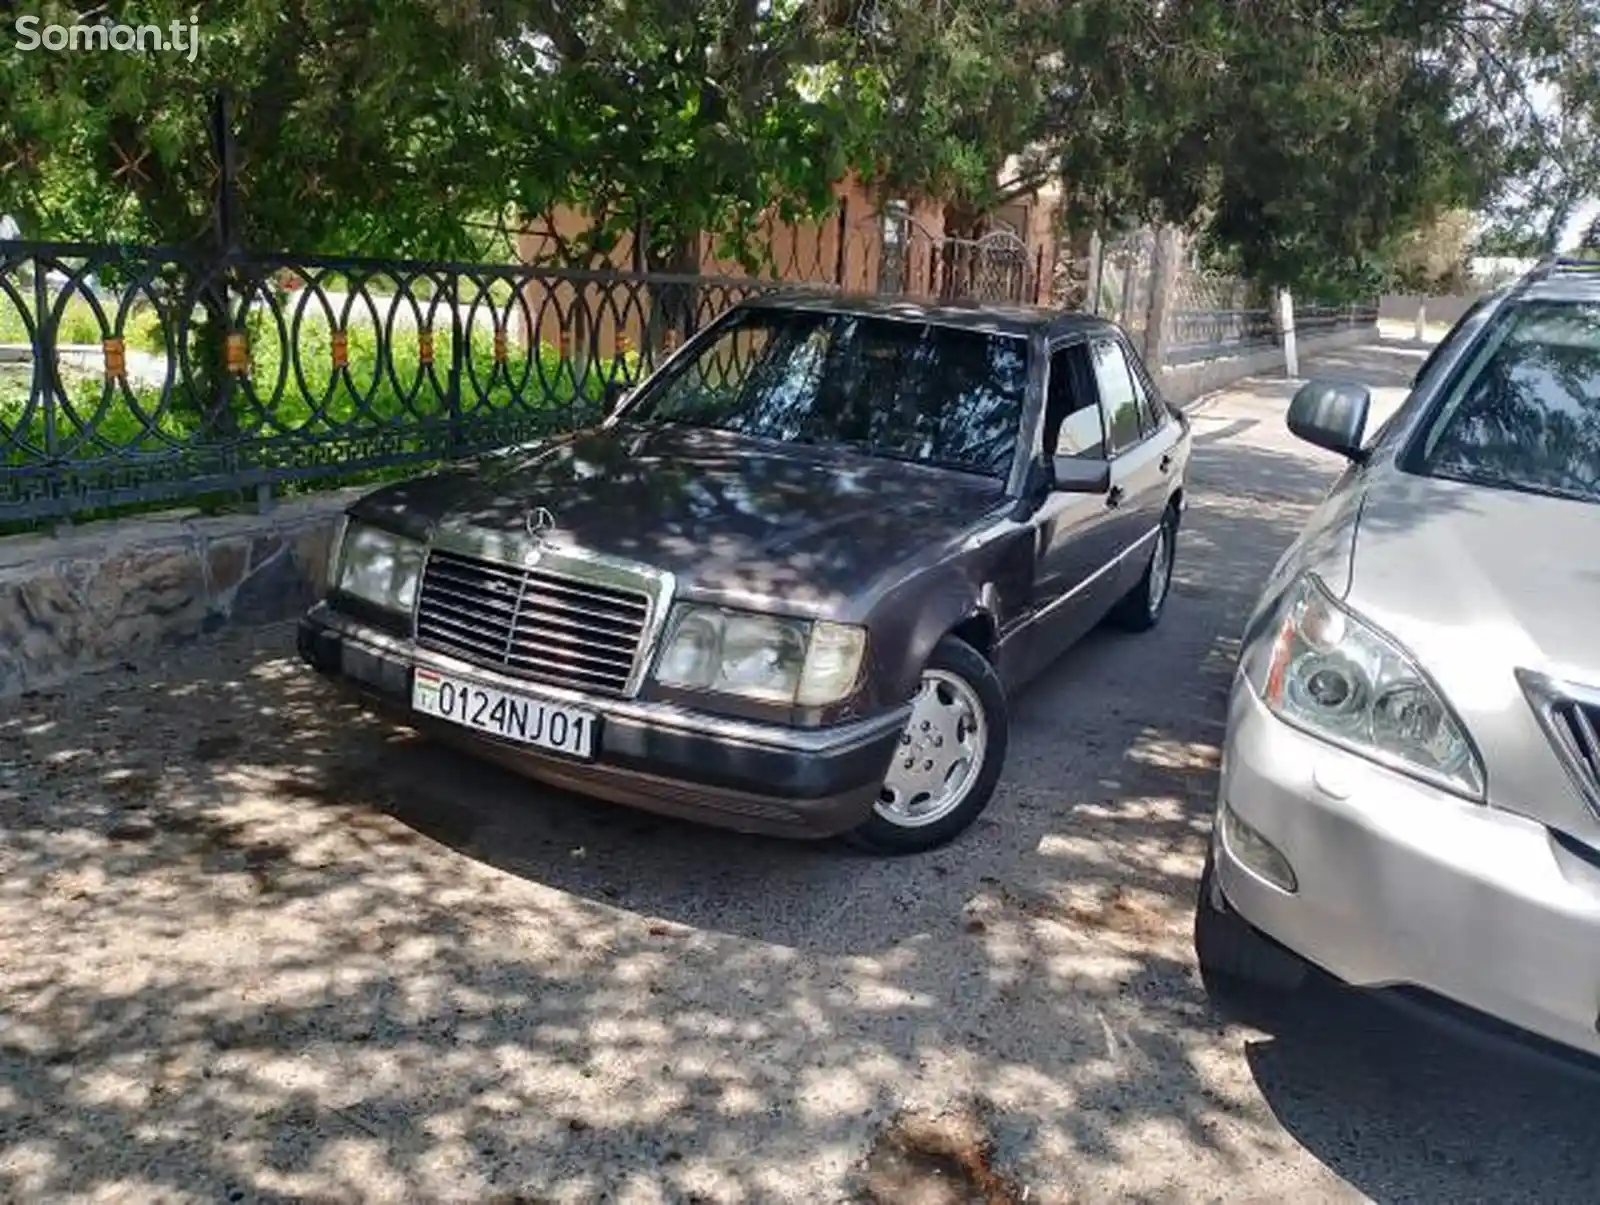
1073, 475
1332, 415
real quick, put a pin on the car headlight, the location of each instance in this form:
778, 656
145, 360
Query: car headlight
760, 656
1328, 672
379, 567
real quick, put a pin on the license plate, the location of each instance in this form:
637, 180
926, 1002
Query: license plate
511, 717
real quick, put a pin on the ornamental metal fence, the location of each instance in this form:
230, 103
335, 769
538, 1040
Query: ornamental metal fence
1316, 318
134, 375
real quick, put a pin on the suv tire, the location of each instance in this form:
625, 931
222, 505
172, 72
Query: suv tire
1231, 952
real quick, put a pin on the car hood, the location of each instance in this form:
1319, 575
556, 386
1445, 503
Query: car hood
1478, 584
742, 520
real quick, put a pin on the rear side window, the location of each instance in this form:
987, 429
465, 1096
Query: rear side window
1117, 396
1525, 412
1151, 412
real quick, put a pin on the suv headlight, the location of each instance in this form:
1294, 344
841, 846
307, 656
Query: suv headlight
1333, 675
760, 656
378, 567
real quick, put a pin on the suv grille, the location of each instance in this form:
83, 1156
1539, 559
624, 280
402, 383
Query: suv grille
551, 627
1570, 717
1581, 722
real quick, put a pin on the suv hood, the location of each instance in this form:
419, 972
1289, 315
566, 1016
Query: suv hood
1477, 583
743, 520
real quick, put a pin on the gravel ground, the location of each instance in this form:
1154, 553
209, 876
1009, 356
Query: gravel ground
259, 947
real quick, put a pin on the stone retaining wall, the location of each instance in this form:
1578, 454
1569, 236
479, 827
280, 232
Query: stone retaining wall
118, 591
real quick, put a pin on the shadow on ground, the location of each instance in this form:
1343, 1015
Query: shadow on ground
262, 946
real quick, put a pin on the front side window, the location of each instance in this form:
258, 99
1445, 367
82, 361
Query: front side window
910, 391
1072, 411
1525, 414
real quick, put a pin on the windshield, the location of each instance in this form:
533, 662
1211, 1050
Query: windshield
905, 390
1526, 413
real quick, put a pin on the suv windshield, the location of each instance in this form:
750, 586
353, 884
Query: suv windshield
1525, 414
912, 391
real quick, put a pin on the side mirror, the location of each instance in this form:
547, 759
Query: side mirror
1071, 475
1332, 415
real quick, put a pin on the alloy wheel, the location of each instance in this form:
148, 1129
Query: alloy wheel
940, 755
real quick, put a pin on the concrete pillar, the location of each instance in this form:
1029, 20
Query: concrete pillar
1097, 263
1291, 358
1164, 271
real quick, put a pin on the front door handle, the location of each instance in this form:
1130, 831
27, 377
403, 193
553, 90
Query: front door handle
1166, 463
1114, 498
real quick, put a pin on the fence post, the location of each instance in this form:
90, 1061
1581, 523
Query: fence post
459, 335
1129, 262
44, 380
1291, 358
844, 231
1163, 283
227, 217
1097, 265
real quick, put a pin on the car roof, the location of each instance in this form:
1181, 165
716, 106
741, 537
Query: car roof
1562, 279
993, 317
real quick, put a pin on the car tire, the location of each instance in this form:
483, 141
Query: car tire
1141, 608
957, 682
1231, 953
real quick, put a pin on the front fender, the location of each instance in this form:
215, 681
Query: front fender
981, 589
948, 601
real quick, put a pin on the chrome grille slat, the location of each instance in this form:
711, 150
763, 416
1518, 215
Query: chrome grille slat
1584, 724
463, 596
544, 583
569, 642
618, 631
532, 599
496, 638
565, 675
568, 653
554, 628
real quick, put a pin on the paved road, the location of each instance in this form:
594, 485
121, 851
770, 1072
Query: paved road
258, 947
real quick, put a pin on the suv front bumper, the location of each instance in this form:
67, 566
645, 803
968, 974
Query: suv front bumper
751, 777
1402, 885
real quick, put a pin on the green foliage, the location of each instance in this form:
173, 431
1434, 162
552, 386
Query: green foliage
1306, 139
1534, 66
353, 125
672, 119
1433, 259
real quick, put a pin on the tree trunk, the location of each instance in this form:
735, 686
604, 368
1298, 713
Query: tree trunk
205, 394
674, 307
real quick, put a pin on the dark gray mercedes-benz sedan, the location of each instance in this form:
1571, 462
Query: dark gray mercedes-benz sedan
786, 585
1410, 792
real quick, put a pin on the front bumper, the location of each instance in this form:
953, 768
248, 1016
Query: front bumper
1401, 885
758, 778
